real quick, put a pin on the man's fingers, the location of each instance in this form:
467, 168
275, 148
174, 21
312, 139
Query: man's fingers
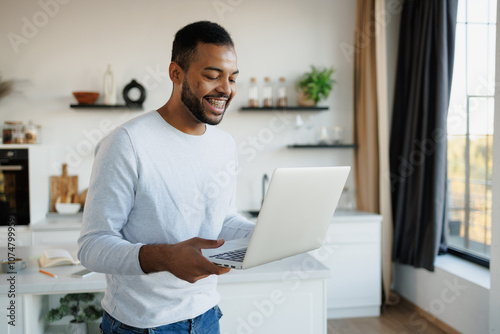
214, 269
207, 243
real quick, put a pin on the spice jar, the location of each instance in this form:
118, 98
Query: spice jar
9, 128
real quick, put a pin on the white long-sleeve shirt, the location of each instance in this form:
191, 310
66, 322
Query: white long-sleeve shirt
153, 184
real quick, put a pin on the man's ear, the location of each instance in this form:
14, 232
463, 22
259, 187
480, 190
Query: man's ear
176, 73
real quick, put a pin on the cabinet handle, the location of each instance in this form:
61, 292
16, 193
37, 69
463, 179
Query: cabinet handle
11, 168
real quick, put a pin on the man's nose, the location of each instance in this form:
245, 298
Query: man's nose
224, 87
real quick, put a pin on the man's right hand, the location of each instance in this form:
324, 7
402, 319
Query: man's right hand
184, 259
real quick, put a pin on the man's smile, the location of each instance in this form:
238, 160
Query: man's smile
216, 104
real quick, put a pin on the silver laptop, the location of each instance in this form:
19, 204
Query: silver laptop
294, 218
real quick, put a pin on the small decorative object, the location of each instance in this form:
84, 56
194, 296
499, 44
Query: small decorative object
81, 306
253, 94
323, 137
86, 97
338, 135
131, 87
314, 86
109, 97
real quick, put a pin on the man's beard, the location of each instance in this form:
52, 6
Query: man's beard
195, 106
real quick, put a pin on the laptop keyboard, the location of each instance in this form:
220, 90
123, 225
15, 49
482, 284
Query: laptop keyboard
236, 255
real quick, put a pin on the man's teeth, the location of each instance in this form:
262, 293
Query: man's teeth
217, 103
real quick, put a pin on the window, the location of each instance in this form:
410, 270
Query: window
470, 130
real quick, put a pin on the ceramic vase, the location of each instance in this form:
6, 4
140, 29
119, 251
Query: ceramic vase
77, 328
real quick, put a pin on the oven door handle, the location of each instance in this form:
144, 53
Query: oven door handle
11, 168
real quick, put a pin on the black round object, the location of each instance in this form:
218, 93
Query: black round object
135, 103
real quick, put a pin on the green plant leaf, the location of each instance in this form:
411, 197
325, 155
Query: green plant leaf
316, 84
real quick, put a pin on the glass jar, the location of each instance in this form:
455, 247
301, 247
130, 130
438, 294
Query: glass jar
30, 133
10, 131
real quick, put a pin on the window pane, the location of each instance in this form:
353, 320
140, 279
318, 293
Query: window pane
461, 11
477, 11
480, 116
492, 10
456, 189
457, 113
477, 62
470, 128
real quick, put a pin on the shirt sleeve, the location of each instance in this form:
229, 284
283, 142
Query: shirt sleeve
110, 198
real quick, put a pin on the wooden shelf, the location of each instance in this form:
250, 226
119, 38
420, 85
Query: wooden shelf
284, 109
323, 146
104, 106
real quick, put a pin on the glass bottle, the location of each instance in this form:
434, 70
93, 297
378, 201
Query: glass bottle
109, 96
253, 94
282, 99
267, 93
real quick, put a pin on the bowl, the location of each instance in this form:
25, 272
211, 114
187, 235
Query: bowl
86, 97
67, 208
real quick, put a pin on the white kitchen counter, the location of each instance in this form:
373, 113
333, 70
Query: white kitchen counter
58, 222
247, 295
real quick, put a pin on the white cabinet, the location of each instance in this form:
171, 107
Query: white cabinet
52, 238
22, 237
352, 252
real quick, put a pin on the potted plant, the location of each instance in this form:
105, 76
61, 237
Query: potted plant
314, 86
79, 305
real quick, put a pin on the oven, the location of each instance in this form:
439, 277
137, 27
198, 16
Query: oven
14, 186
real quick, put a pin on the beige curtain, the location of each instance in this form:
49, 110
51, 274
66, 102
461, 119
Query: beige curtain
371, 124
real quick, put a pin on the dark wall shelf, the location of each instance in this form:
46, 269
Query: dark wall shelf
284, 109
323, 146
104, 106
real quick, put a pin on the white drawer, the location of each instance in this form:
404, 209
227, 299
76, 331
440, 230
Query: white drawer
353, 232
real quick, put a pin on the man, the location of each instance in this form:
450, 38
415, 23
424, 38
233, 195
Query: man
162, 188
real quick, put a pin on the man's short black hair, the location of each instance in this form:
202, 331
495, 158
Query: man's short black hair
187, 39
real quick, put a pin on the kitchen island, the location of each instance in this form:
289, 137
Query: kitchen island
283, 296
252, 300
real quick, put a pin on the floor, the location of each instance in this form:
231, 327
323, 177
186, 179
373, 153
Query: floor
397, 319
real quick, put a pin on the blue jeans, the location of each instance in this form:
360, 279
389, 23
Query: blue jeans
207, 323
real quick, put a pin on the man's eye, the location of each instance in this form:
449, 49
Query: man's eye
210, 78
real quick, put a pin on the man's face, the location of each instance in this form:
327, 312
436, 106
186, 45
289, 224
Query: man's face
210, 82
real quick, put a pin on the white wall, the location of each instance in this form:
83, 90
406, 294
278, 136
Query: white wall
54, 47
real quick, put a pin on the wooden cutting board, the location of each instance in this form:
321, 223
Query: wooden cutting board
64, 187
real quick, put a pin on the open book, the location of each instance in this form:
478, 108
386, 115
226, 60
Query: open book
56, 257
